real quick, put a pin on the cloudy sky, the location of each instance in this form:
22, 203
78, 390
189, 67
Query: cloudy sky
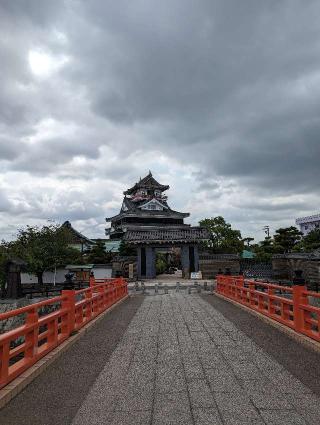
219, 98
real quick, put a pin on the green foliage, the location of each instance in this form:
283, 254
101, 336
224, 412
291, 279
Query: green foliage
98, 254
264, 250
310, 242
286, 238
247, 241
125, 250
161, 263
43, 248
3, 260
223, 239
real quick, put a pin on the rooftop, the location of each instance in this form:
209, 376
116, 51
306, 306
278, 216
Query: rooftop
148, 182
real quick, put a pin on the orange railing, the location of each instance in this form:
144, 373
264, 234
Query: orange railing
291, 306
40, 333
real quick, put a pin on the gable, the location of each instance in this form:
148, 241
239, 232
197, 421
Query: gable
153, 205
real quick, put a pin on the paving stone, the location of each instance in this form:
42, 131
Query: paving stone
270, 400
172, 408
193, 370
222, 380
190, 365
288, 384
208, 416
246, 370
237, 409
170, 379
282, 417
200, 394
132, 399
136, 418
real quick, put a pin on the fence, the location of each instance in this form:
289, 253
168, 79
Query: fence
290, 306
40, 333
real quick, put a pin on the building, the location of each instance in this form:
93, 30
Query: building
78, 240
307, 224
146, 222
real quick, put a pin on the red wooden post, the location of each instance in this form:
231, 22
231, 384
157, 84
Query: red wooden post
69, 304
32, 335
270, 300
252, 287
298, 314
4, 362
92, 280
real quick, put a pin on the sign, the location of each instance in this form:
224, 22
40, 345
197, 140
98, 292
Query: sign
196, 275
131, 271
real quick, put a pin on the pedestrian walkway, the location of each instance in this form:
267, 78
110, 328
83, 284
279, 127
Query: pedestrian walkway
175, 358
182, 362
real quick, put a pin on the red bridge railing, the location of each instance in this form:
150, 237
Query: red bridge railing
42, 331
291, 306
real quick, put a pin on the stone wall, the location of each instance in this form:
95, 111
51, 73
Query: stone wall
120, 266
211, 265
285, 265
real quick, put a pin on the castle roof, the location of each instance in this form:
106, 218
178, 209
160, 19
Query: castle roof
148, 182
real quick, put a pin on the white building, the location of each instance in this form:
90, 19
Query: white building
309, 223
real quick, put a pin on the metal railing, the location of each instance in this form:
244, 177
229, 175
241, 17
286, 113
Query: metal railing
40, 332
290, 306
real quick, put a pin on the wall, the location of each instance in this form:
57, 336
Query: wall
209, 265
285, 265
100, 272
47, 277
120, 266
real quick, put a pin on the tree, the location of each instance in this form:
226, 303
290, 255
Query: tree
247, 241
4, 256
43, 248
125, 250
98, 254
265, 249
161, 263
310, 242
286, 238
223, 239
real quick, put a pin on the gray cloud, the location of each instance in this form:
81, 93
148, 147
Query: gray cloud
222, 94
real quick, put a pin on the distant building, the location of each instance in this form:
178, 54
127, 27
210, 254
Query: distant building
309, 223
147, 223
78, 240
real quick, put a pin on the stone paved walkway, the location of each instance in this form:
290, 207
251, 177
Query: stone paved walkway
181, 361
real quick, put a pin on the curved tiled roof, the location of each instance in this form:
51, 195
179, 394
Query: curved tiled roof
191, 234
148, 182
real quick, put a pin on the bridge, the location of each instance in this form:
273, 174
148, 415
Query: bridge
246, 354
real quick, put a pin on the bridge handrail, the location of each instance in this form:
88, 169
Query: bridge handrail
295, 312
24, 345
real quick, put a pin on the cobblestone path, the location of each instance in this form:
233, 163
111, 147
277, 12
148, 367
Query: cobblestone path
181, 361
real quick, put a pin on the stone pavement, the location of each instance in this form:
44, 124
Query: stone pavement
181, 361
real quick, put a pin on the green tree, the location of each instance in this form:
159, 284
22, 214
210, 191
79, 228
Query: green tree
4, 256
98, 254
223, 239
265, 249
161, 263
310, 242
44, 248
286, 238
247, 241
126, 250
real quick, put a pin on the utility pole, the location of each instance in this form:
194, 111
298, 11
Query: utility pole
266, 230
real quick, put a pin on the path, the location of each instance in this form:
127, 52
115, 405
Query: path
184, 361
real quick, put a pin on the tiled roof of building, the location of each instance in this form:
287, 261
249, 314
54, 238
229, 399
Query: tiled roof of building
77, 235
147, 182
190, 234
